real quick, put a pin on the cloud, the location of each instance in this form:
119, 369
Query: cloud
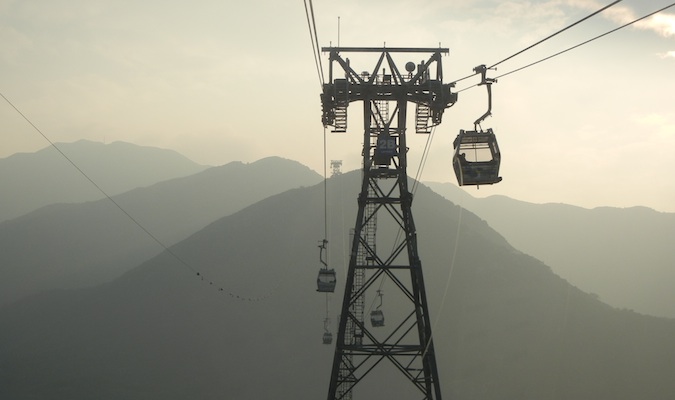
664, 24
661, 23
669, 54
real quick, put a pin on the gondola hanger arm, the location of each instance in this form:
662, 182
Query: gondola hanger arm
322, 248
482, 70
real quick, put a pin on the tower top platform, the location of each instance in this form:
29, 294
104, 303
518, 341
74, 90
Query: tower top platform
443, 50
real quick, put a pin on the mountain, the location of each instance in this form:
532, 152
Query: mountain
73, 245
624, 255
505, 326
33, 180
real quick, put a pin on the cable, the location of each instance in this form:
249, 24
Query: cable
314, 39
134, 220
541, 41
418, 178
450, 272
555, 34
125, 212
575, 46
423, 160
587, 41
311, 40
325, 219
325, 190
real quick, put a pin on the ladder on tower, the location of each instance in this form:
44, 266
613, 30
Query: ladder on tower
340, 119
365, 260
422, 115
341, 103
382, 106
382, 116
354, 334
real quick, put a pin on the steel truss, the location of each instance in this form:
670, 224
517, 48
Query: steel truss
385, 201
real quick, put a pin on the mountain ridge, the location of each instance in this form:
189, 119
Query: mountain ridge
33, 180
630, 245
71, 245
505, 326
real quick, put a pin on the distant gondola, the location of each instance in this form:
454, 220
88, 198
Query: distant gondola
326, 280
377, 318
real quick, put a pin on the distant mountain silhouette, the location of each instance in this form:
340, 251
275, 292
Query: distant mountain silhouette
505, 328
33, 180
624, 255
74, 245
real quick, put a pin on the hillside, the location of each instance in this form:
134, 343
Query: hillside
33, 180
74, 245
506, 327
624, 255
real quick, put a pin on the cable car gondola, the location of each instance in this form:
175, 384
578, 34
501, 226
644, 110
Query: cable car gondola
377, 316
327, 335
476, 159
326, 280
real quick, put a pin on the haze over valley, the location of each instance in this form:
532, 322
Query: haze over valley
92, 307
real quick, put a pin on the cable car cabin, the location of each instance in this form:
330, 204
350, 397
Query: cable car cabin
376, 318
326, 280
327, 338
476, 159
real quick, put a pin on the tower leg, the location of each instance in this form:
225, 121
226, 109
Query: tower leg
402, 350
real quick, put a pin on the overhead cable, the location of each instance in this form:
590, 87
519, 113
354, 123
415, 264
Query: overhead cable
555, 34
314, 39
543, 40
587, 41
125, 212
573, 47
87, 177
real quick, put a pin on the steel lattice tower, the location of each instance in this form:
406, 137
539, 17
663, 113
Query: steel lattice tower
405, 343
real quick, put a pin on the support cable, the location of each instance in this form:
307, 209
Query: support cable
325, 189
570, 48
99, 188
555, 34
587, 41
314, 39
416, 182
450, 271
326, 326
135, 221
541, 41
423, 160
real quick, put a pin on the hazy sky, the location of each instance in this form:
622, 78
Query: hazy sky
221, 81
